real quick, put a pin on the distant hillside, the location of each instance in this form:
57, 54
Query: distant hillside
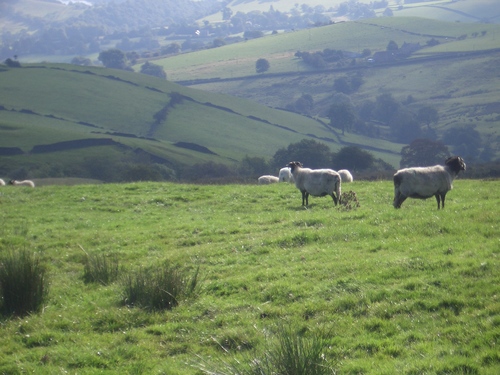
62, 119
453, 69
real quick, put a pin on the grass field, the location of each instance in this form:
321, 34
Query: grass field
409, 291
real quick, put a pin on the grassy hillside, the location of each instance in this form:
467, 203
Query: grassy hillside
386, 291
49, 104
458, 76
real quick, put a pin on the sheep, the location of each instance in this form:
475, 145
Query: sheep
316, 182
267, 179
2, 182
425, 182
285, 175
345, 175
22, 183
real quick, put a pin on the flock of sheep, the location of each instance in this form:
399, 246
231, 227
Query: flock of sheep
417, 182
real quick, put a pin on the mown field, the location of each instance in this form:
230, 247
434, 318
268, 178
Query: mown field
409, 291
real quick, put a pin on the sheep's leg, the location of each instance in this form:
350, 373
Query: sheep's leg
307, 199
304, 197
440, 199
334, 198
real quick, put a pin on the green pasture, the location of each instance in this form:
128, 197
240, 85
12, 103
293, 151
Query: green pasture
406, 291
238, 60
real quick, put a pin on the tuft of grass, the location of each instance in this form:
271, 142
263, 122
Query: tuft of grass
23, 284
159, 288
289, 352
100, 268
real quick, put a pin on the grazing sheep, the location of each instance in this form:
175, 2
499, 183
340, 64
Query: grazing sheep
22, 183
267, 179
285, 175
425, 182
2, 182
315, 182
345, 175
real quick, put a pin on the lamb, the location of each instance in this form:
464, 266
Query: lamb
316, 182
285, 175
425, 182
345, 175
22, 183
267, 179
2, 182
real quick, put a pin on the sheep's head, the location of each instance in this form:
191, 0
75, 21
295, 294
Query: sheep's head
294, 164
456, 164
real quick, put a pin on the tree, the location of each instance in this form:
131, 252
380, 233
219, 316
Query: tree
262, 65
153, 70
385, 107
113, 58
353, 158
423, 153
170, 49
466, 141
392, 46
310, 153
80, 60
12, 63
428, 115
342, 115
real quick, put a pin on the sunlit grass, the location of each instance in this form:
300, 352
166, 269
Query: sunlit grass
412, 290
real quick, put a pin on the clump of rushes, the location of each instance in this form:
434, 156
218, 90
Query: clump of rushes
23, 285
288, 353
100, 268
158, 288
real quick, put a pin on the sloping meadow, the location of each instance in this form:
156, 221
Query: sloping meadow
405, 291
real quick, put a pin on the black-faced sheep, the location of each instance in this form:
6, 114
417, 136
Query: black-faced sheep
316, 182
267, 179
285, 175
425, 182
22, 183
345, 175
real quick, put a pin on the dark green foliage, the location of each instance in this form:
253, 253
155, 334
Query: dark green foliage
352, 158
22, 282
12, 63
342, 115
158, 288
262, 65
310, 153
423, 153
100, 268
153, 70
113, 58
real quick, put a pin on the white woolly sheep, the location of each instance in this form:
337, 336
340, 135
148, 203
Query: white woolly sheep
285, 175
2, 182
345, 175
267, 179
315, 182
22, 183
425, 182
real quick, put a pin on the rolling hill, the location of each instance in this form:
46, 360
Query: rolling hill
60, 119
457, 74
